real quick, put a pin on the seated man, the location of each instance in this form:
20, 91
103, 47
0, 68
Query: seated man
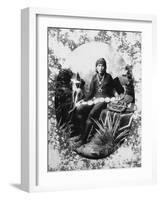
114, 123
127, 82
102, 85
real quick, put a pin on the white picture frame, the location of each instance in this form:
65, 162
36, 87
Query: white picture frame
32, 177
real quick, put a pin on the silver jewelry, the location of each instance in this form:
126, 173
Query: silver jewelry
100, 82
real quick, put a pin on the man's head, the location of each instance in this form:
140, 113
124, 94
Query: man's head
126, 76
101, 66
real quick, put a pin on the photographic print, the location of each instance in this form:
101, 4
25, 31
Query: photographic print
94, 99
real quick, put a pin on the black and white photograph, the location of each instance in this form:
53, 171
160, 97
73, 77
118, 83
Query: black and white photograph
94, 99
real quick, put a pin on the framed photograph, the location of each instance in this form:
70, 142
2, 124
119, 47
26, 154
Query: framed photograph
87, 82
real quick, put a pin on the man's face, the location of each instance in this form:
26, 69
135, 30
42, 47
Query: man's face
100, 69
124, 77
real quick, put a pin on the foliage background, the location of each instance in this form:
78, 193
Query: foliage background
126, 48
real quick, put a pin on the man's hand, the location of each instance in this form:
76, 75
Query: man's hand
79, 103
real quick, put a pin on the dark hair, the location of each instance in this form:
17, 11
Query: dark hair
101, 61
130, 87
129, 72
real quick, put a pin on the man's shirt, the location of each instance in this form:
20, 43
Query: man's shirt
106, 89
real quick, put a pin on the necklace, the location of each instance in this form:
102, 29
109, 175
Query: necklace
100, 82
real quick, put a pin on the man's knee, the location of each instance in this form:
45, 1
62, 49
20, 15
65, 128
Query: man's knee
96, 111
94, 114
